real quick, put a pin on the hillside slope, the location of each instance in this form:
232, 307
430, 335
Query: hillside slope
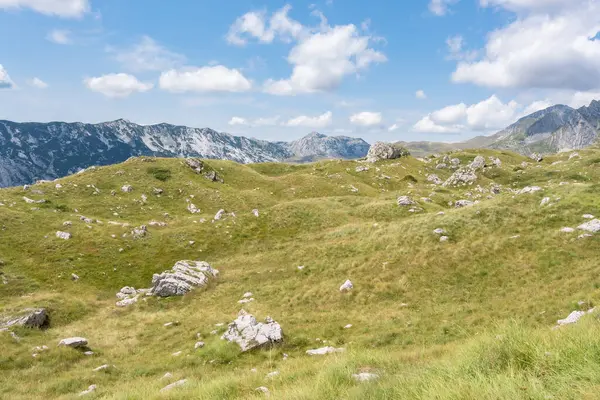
426, 315
32, 151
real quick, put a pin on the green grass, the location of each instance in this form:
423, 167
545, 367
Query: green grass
459, 295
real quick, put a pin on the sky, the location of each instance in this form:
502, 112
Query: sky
411, 70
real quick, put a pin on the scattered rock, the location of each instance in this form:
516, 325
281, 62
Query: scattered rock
29, 318
127, 188
219, 215
250, 334
463, 203
176, 354
213, 177
198, 345
545, 201
529, 189
74, 277
463, 176
127, 302
592, 226
405, 201
90, 389
139, 232
173, 385
362, 168
63, 235
567, 230
536, 157
441, 166
192, 208
30, 201
255, 212
346, 286
433, 178
444, 238
74, 342
183, 277
103, 368
263, 390
384, 151
588, 216
348, 326
272, 375
439, 231
573, 317
478, 163
195, 164
324, 350
365, 377
157, 191
167, 375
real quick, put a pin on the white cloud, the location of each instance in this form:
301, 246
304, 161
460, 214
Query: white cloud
254, 24
487, 115
580, 99
366, 118
420, 94
117, 85
440, 7
237, 121
61, 8
147, 55
270, 121
537, 106
5, 81
320, 121
59, 36
38, 83
549, 45
456, 49
217, 78
323, 59
393, 128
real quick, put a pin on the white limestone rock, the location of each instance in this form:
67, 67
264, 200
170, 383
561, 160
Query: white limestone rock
529, 189
73, 342
324, 350
591, 226
29, 318
346, 286
365, 377
250, 334
174, 385
183, 277
63, 235
127, 188
90, 389
383, 151
405, 201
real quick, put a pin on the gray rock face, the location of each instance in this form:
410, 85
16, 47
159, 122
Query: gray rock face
74, 342
250, 334
383, 151
30, 318
195, 164
184, 277
316, 145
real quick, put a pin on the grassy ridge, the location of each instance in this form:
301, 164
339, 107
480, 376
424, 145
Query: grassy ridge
416, 306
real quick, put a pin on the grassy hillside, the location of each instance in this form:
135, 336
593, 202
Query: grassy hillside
465, 318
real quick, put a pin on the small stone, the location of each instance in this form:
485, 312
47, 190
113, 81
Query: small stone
255, 212
346, 286
463, 203
173, 385
73, 342
198, 345
63, 235
592, 226
567, 230
348, 326
90, 389
444, 238
272, 375
176, 354
102, 368
588, 216
88, 353
365, 377
301, 267
545, 201
439, 231
74, 277
126, 188
324, 350
263, 390
405, 201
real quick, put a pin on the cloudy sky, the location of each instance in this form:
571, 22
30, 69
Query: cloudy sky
442, 70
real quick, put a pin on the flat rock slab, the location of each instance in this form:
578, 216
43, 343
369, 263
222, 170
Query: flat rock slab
74, 342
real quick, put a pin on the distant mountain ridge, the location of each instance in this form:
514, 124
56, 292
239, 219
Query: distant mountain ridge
552, 130
32, 151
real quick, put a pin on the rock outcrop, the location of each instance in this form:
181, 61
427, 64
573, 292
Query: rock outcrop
250, 334
384, 151
182, 278
29, 318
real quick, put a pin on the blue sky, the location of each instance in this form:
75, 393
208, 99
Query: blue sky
407, 70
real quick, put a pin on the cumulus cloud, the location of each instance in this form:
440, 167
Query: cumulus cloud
420, 94
255, 25
216, 78
61, 8
456, 49
37, 83
579, 99
322, 56
320, 121
5, 81
147, 55
117, 85
237, 121
487, 115
550, 45
537, 106
366, 118
59, 36
393, 127
440, 7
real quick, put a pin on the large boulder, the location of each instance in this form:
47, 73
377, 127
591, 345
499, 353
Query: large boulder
250, 334
183, 277
74, 342
478, 163
384, 151
463, 176
30, 318
195, 164
591, 226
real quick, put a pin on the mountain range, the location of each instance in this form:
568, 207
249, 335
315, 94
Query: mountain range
552, 130
33, 151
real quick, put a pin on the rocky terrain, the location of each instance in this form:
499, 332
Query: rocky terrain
472, 274
34, 151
